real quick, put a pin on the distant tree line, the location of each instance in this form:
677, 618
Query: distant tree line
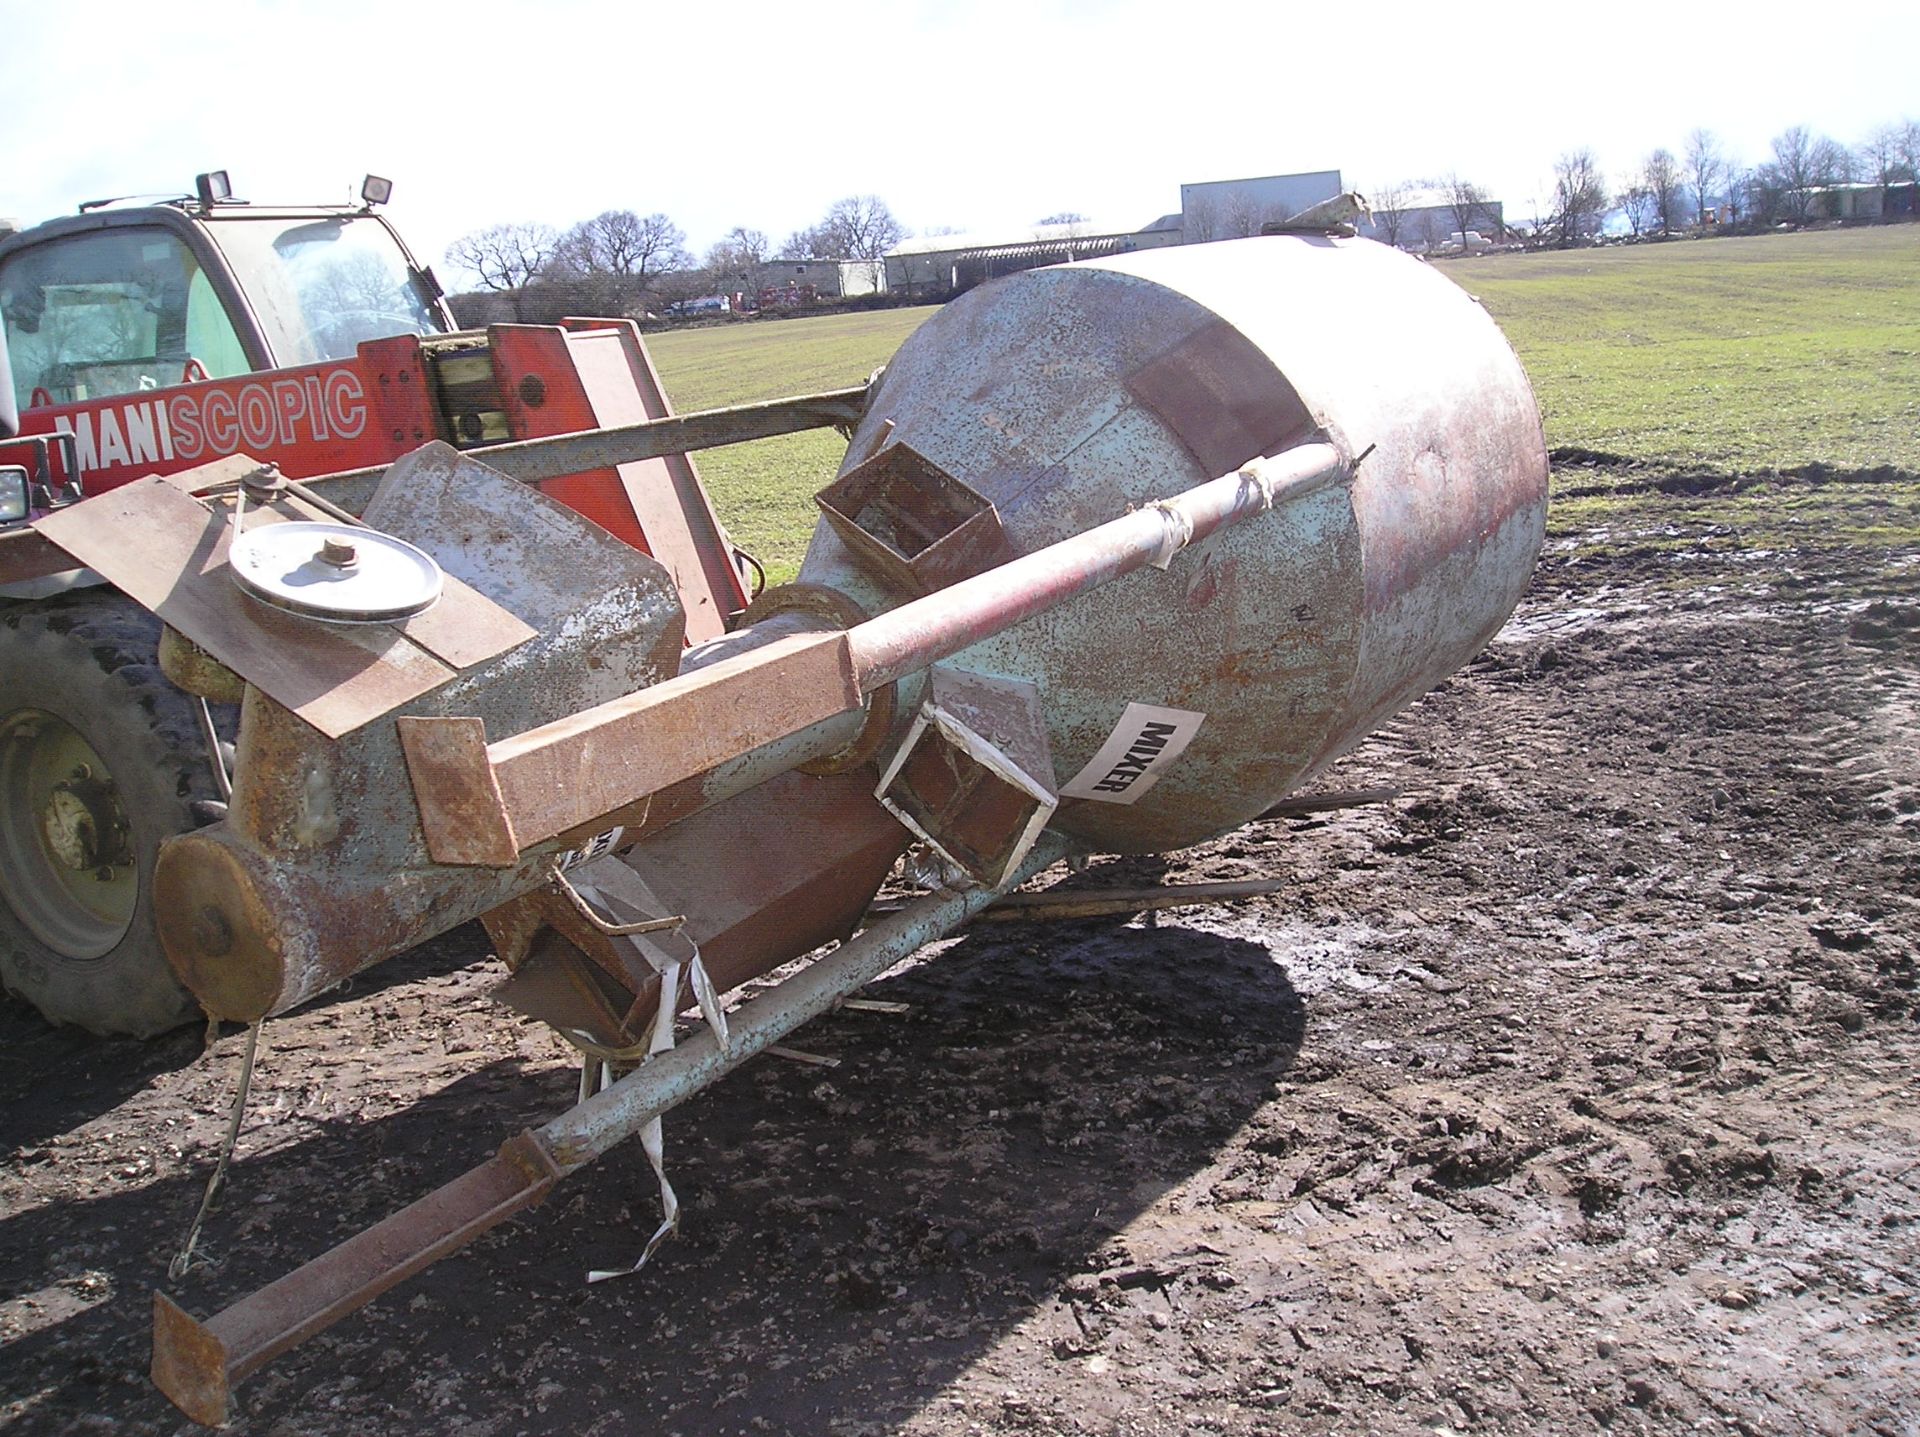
1668, 192
621, 262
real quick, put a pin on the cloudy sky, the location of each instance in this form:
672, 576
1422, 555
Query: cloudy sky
978, 116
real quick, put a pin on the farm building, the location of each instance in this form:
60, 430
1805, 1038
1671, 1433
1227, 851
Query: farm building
825, 278
1846, 202
948, 264
1211, 210
1224, 209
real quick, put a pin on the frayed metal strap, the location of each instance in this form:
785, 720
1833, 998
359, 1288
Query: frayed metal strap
670, 965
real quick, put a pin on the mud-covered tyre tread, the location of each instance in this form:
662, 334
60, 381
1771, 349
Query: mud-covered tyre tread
91, 658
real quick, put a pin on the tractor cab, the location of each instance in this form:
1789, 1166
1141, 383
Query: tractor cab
122, 298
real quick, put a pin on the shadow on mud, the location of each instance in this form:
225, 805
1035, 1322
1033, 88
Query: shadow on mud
57, 1077
853, 1238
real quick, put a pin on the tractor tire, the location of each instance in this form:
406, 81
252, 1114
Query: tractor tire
101, 759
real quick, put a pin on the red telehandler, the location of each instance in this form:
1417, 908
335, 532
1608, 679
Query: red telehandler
151, 339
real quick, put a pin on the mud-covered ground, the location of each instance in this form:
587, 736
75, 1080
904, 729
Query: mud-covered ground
1572, 1091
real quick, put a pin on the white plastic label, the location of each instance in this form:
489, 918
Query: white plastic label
1143, 744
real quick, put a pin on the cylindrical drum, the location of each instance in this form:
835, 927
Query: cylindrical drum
1181, 703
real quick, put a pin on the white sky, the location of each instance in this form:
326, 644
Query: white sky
981, 115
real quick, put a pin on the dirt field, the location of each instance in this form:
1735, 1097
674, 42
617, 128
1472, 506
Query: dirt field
1573, 1091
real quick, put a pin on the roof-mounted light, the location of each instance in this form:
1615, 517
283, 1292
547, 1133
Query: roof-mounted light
375, 190
213, 187
15, 494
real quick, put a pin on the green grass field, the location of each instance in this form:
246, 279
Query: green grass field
1736, 356
764, 491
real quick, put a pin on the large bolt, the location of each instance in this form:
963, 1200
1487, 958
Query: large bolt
264, 483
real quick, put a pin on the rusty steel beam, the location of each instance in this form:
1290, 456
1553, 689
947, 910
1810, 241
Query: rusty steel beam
197, 1363
532, 460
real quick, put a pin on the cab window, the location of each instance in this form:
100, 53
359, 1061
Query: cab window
322, 287
112, 312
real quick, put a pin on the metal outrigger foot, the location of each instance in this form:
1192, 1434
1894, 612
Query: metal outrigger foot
197, 1363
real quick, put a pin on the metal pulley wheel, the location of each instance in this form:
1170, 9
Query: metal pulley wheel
339, 572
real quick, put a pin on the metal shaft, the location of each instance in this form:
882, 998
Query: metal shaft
904, 640
531, 460
582, 1134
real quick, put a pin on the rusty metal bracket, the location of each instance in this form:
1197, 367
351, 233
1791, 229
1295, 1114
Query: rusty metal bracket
912, 522
461, 812
196, 1364
482, 803
974, 775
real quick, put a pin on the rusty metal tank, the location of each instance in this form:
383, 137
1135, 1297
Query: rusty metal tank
1038, 406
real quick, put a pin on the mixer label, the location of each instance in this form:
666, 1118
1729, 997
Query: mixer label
1141, 747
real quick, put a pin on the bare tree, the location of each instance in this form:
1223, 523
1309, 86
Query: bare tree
1390, 204
857, 227
611, 263
1660, 176
623, 245
734, 263
1891, 154
1243, 216
1909, 142
1069, 225
1740, 187
505, 257
1199, 220
1802, 163
1635, 201
1706, 165
1471, 206
1579, 197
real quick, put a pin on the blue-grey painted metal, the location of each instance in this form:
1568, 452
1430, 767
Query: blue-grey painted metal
1066, 395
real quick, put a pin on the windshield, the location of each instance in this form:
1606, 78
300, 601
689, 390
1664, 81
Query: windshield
321, 287
118, 310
